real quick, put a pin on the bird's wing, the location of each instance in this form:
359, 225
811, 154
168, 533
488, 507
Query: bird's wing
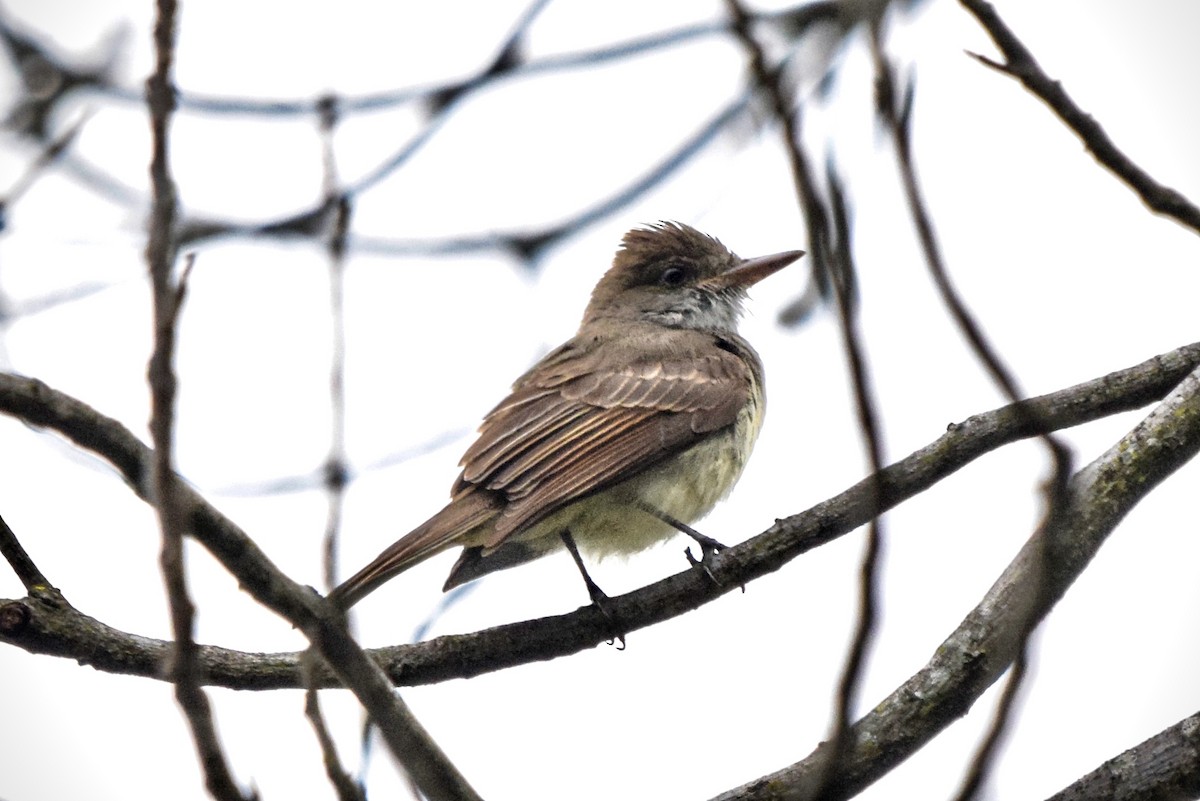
576, 424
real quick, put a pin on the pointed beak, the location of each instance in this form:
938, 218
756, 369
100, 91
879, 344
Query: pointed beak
751, 271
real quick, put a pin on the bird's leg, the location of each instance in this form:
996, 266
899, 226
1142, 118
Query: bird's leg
598, 596
708, 546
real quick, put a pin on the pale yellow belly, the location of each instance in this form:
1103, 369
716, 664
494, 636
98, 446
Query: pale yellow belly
685, 487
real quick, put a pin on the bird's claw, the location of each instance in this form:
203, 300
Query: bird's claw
600, 600
709, 548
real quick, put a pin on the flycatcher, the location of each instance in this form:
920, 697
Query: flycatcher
626, 433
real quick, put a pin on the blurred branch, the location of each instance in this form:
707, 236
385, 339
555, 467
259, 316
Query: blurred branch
504, 66
833, 267
314, 479
897, 118
1165, 767
868, 421
47, 155
37, 404
527, 245
992, 636
64, 632
336, 473
347, 789
768, 80
47, 80
1019, 63
442, 99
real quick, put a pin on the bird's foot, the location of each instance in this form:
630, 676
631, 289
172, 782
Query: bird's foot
601, 601
709, 548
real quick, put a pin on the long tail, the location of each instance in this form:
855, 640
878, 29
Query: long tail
459, 517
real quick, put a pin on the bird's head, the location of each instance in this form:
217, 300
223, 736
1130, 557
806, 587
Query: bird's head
674, 275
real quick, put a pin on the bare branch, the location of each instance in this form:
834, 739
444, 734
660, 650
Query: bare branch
897, 119
865, 404
336, 474
64, 632
37, 404
1165, 767
160, 259
444, 99
1020, 64
49, 153
347, 789
991, 637
19, 560
833, 259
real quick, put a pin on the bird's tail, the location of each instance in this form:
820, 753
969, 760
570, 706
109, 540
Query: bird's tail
465, 513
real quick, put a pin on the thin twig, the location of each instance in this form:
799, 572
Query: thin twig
864, 629
50, 152
812, 207
347, 788
37, 404
172, 515
1020, 64
833, 258
509, 64
337, 471
897, 119
527, 244
21, 563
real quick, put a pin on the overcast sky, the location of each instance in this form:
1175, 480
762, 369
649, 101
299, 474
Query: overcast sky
1071, 277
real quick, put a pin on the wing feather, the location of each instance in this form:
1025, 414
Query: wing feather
576, 424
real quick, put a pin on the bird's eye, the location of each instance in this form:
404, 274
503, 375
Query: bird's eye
674, 275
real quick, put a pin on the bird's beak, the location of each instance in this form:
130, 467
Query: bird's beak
751, 271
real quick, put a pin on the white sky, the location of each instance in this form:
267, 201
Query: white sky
1070, 276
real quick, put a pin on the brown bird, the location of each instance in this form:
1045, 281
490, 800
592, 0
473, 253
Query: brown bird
628, 432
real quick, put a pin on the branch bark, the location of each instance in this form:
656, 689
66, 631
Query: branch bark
1165, 767
40, 626
978, 652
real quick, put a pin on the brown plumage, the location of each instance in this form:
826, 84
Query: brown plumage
654, 403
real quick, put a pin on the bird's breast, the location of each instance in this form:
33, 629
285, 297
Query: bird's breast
685, 486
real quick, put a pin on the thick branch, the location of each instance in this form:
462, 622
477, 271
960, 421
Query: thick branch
1164, 768
37, 404
990, 638
51, 630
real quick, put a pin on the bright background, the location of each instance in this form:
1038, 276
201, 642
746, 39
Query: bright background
1069, 274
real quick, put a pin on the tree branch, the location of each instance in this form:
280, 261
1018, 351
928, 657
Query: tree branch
1020, 64
835, 259
20, 561
897, 117
167, 299
37, 404
42, 628
1165, 767
978, 652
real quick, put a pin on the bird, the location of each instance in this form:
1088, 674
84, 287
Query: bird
625, 434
